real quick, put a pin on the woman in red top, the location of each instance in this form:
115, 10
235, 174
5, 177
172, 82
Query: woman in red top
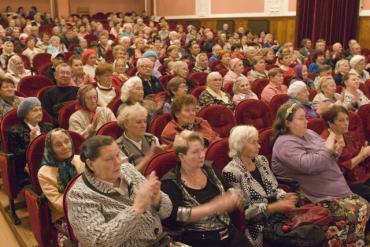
354, 160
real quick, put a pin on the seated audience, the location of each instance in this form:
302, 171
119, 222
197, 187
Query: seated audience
55, 46
138, 145
353, 97
8, 99
183, 111
120, 72
31, 49
56, 59
324, 70
301, 74
317, 60
20, 135
275, 86
55, 98
197, 192
89, 60
358, 65
299, 154
175, 87
242, 90
250, 173
306, 49
16, 70
103, 75
284, 61
58, 167
341, 68
326, 93
216, 53
90, 117
235, 71
145, 72
353, 160
79, 77
259, 70
213, 95
298, 93
201, 63
133, 205
7, 52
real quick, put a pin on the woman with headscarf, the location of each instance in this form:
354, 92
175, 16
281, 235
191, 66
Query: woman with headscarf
59, 166
301, 74
235, 71
16, 70
89, 61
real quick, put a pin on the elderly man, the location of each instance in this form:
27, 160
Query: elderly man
194, 50
54, 98
250, 53
150, 83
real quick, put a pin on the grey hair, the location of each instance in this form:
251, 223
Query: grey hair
212, 74
340, 63
129, 111
140, 61
128, 85
177, 65
239, 136
239, 80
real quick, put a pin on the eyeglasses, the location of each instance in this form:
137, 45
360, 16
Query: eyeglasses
146, 66
217, 79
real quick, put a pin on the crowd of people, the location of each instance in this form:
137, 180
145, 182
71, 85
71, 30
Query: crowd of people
132, 69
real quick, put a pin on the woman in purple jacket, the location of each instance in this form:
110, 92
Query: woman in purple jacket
302, 155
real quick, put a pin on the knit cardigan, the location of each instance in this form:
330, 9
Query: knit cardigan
104, 217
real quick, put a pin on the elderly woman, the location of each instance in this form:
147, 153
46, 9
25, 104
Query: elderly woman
201, 63
175, 87
301, 74
300, 154
341, 68
235, 71
180, 68
353, 160
16, 70
358, 64
354, 98
79, 77
213, 95
90, 117
327, 93
251, 174
298, 93
89, 60
259, 69
242, 90
199, 197
284, 61
31, 49
21, 134
183, 111
138, 145
106, 92
55, 46
133, 205
8, 99
120, 72
318, 60
59, 166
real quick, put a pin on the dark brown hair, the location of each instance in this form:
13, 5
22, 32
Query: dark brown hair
179, 102
90, 149
332, 113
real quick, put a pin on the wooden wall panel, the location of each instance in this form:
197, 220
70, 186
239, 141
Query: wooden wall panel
283, 29
363, 33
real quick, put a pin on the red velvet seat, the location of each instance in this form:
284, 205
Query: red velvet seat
42, 91
65, 113
159, 123
114, 104
271, 66
197, 91
213, 65
40, 59
258, 85
364, 89
264, 141
43, 68
132, 71
277, 101
219, 117
218, 152
355, 127
316, 124
26, 61
164, 80
65, 207
30, 85
229, 89
253, 112
364, 113
161, 163
246, 71
223, 72
90, 38
199, 78
110, 129
312, 94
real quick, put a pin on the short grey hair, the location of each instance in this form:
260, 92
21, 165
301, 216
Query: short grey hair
239, 80
212, 74
177, 65
239, 136
128, 112
128, 85
141, 60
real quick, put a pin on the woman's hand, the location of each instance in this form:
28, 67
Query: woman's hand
148, 194
286, 204
225, 203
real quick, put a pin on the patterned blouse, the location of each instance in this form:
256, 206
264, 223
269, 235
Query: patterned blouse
256, 196
210, 97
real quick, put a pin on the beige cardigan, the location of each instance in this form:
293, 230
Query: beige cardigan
48, 182
79, 121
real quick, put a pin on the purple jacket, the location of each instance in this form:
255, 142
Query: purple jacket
307, 161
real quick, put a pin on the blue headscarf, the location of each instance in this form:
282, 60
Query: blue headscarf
66, 169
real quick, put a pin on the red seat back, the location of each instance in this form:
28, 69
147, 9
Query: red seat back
40, 59
114, 104
199, 78
65, 113
264, 141
355, 127
26, 61
164, 80
197, 91
31, 85
218, 152
364, 113
161, 163
110, 129
220, 118
258, 85
316, 124
159, 123
277, 101
253, 112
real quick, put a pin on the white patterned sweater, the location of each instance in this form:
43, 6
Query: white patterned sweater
104, 217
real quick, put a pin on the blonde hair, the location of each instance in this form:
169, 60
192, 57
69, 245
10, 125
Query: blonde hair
181, 142
239, 136
128, 112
